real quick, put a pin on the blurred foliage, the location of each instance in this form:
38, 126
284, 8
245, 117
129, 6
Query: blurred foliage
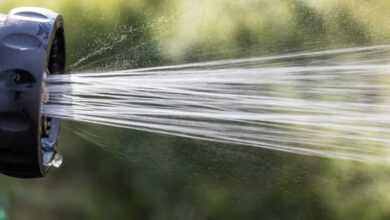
122, 174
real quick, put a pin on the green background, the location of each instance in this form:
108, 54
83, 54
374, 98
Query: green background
112, 173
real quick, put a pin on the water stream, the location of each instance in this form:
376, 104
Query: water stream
331, 103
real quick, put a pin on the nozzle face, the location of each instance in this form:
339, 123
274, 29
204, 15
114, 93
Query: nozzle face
27, 39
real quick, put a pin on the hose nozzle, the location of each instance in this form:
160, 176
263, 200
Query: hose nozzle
32, 46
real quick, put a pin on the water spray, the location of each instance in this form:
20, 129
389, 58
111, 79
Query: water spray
32, 46
331, 103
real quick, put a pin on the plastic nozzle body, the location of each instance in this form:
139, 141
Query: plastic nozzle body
31, 44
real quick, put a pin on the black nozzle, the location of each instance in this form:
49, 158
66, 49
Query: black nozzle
32, 46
